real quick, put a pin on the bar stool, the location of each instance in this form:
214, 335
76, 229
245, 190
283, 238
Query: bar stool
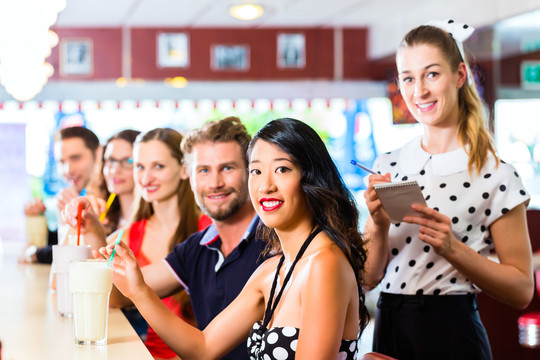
529, 324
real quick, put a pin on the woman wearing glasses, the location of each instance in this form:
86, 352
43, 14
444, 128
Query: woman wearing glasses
117, 173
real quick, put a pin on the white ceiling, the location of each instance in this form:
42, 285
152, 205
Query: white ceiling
387, 20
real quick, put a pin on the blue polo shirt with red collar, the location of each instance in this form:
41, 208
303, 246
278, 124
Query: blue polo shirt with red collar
212, 280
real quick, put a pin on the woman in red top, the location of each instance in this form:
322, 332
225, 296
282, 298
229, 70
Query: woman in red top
165, 214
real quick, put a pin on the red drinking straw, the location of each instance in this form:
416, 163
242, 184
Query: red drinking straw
79, 212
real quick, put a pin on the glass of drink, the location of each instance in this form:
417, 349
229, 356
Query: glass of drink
91, 283
36, 230
72, 239
62, 255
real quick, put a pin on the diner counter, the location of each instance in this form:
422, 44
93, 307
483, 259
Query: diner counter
30, 327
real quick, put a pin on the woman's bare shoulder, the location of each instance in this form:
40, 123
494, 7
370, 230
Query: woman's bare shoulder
269, 265
329, 258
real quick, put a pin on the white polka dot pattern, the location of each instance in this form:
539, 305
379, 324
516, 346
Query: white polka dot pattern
280, 353
279, 343
289, 331
272, 338
471, 201
293, 345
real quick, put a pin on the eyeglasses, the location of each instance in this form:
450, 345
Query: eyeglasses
125, 163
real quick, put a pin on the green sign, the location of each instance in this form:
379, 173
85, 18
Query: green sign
530, 74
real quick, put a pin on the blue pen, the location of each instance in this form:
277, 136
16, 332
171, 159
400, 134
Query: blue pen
357, 164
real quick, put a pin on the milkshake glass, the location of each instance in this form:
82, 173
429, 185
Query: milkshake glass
62, 255
91, 283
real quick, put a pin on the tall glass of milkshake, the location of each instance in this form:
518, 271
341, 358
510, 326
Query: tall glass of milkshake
91, 283
62, 256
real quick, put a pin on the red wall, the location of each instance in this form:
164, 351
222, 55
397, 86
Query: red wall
263, 59
510, 68
107, 49
107, 54
355, 58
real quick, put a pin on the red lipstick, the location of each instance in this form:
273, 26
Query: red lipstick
270, 204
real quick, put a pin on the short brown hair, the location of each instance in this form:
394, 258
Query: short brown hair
90, 139
224, 130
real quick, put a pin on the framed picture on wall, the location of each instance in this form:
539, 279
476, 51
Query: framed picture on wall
76, 57
291, 51
172, 50
230, 57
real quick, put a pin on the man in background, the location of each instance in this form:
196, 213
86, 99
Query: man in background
76, 151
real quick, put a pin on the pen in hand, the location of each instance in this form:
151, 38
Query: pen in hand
365, 168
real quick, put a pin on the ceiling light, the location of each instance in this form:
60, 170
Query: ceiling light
246, 11
23, 71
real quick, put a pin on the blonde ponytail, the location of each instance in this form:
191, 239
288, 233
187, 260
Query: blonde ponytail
472, 128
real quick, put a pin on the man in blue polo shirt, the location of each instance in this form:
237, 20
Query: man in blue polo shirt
214, 264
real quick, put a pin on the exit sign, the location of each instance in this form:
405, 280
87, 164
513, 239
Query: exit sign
530, 74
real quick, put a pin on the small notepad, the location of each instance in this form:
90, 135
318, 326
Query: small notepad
397, 198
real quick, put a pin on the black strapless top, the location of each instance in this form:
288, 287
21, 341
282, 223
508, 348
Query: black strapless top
279, 343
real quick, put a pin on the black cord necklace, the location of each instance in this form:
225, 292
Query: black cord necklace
272, 304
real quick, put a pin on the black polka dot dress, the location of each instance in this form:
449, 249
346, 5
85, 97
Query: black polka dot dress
279, 343
472, 202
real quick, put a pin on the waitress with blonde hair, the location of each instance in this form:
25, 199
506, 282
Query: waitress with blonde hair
430, 266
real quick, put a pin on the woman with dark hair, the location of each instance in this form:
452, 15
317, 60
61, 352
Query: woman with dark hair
431, 265
117, 178
304, 303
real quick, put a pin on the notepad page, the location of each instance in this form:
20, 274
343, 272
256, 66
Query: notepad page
397, 198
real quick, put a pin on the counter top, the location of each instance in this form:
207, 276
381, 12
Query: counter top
30, 328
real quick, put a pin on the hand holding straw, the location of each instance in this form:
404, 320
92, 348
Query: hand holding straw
107, 206
120, 233
79, 216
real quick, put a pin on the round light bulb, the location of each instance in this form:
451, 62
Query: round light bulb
246, 11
